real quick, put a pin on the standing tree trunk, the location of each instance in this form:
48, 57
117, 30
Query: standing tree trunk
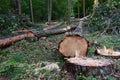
69, 10
49, 10
14, 3
78, 10
19, 8
31, 11
83, 8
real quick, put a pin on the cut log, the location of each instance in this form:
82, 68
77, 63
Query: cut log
88, 67
32, 35
73, 46
9, 41
44, 33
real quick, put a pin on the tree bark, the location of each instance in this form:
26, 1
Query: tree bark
49, 10
73, 46
32, 35
9, 41
78, 9
19, 8
31, 11
88, 67
83, 8
51, 32
4, 43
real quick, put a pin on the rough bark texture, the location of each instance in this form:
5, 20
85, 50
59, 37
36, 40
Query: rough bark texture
9, 41
19, 8
49, 10
51, 32
31, 11
88, 67
73, 46
32, 35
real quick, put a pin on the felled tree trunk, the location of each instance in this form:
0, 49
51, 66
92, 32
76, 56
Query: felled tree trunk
88, 67
9, 41
73, 46
32, 35
51, 32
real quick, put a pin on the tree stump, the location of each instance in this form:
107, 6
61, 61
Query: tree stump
108, 52
73, 46
88, 67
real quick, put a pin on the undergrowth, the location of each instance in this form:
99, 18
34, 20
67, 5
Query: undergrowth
20, 61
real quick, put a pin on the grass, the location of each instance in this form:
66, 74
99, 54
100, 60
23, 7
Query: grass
20, 61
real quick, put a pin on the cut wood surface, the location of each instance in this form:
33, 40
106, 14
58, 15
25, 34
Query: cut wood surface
114, 54
88, 67
73, 46
108, 52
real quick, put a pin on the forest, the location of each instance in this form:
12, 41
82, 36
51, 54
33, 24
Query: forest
59, 39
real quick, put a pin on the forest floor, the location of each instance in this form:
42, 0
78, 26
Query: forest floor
28, 60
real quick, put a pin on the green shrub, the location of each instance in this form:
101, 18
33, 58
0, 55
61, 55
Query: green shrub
106, 18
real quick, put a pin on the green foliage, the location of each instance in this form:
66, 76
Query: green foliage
5, 6
82, 77
8, 23
79, 4
40, 8
20, 60
105, 13
14, 67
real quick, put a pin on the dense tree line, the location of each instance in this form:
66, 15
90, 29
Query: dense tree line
14, 13
57, 9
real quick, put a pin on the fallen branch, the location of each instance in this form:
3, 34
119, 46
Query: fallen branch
84, 18
53, 26
80, 19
